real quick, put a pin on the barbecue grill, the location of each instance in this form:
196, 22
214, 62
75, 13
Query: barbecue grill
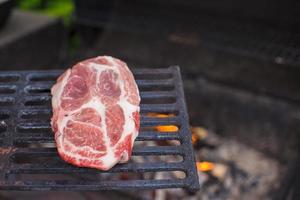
25, 130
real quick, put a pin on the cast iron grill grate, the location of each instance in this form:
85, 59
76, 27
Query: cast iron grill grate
28, 157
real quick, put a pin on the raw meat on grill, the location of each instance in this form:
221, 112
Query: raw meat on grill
96, 113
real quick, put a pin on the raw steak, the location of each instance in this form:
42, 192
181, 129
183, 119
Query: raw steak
96, 113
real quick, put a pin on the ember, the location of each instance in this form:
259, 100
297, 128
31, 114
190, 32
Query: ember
198, 133
167, 128
164, 128
204, 166
160, 115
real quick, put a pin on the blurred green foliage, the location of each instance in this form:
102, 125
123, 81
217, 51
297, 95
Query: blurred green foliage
57, 8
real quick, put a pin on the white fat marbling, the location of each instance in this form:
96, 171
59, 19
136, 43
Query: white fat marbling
129, 126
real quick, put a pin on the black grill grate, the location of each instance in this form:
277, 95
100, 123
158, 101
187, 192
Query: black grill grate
28, 157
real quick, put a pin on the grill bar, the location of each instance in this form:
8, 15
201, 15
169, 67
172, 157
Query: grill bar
160, 108
97, 185
146, 150
143, 136
160, 96
63, 168
27, 142
155, 94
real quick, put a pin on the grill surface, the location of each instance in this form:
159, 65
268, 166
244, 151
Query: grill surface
28, 157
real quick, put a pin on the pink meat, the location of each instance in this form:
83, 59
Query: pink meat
96, 113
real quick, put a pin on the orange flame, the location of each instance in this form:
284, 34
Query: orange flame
160, 115
167, 128
205, 166
164, 128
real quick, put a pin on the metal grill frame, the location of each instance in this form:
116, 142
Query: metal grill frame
19, 88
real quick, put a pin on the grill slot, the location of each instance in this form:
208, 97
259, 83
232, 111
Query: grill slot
98, 185
159, 101
61, 176
35, 161
4, 115
130, 167
37, 89
3, 127
7, 89
36, 114
149, 121
152, 76
31, 137
34, 128
160, 143
153, 97
6, 101
25, 158
142, 151
154, 114
34, 158
9, 78
159, 108
155, 85
152, 159
38, 101
42, 77
154, 128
